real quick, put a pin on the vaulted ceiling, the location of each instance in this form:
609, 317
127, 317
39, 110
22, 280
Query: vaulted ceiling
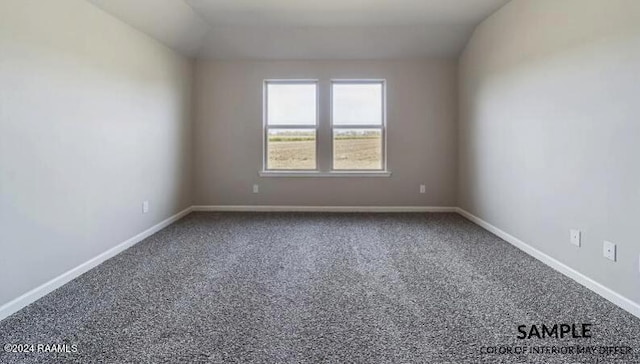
307, 29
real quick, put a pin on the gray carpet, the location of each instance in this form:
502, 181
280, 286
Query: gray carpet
307, 288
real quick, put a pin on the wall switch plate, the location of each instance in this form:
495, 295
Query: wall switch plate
256, 189
145, 207
609, 250
423, 189
575, 237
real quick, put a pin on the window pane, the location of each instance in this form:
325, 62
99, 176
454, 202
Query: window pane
357, 149
357, 104
291, 104
291, 149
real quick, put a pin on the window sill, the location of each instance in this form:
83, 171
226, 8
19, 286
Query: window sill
324, 174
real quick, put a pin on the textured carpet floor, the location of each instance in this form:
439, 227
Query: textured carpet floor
295, 287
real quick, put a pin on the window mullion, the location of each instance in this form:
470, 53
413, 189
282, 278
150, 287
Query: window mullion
324, 128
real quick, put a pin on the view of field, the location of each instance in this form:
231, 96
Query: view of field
287, 153
351, 150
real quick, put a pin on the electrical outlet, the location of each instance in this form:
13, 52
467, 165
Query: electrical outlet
145, 207
575, 237
423, 189
256, 189
609, 250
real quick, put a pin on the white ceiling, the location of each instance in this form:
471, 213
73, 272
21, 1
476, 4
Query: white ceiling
307, 29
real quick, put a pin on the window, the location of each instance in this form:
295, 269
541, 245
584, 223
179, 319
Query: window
291, 122
348, 138
357, 117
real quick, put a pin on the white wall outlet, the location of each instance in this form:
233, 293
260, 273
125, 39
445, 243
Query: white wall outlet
423, 189
256, 189
575, 237
145, 207
609, 250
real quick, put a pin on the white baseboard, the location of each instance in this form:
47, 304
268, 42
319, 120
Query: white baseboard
36, 293
274, 208
17, 304
607, 293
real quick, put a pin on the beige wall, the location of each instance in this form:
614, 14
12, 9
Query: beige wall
550, 134
94, 119
421, 135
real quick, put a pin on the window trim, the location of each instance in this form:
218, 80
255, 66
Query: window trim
383, 127
266, 127
318, 127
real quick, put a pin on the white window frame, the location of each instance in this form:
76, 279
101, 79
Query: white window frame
324, 130
382, 127
266, 127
